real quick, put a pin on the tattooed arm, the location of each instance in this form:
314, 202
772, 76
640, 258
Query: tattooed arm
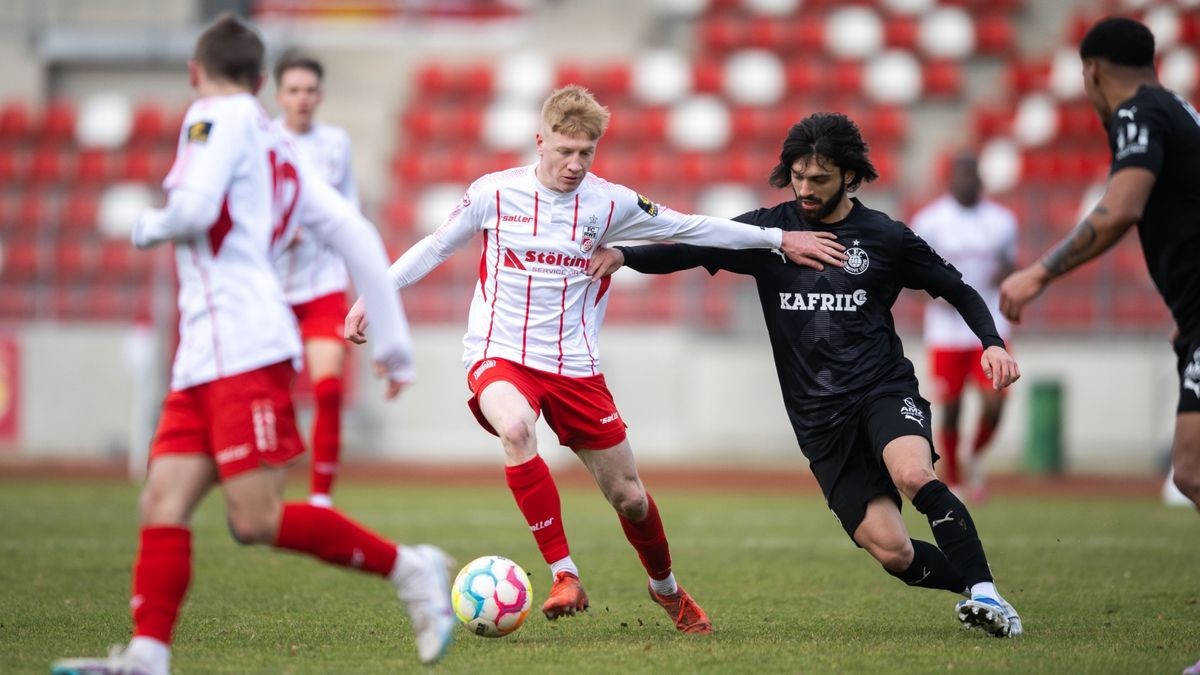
1119, 209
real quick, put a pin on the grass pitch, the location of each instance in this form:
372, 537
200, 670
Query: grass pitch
1103, 586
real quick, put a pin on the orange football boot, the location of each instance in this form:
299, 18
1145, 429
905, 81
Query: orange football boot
566, 597
683, 610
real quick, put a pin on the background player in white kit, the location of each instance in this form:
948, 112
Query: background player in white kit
979, 237
531, 342
313, 275
236, 185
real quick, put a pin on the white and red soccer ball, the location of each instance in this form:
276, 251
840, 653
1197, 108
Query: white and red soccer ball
492, 596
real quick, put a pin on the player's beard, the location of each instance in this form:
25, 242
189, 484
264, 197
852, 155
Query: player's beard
824, 209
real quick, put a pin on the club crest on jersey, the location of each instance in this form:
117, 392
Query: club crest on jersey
911, 411
1191, 374
590, 233
857, 261
198, 132
647, 205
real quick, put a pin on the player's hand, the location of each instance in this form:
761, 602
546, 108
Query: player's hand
395, 383
605, 261
813, 249
1000, 367
1020, 288
355, 329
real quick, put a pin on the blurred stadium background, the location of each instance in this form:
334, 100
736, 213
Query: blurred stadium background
437, 92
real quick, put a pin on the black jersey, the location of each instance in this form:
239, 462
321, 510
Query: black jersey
1159, 131
831, 331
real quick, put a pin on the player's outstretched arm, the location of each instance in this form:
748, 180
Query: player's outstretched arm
337, 224
1119, 209
187, 214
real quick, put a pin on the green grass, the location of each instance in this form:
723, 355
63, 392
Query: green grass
1103, 587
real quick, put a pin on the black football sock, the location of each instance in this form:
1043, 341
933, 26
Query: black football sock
953, 530
931, 569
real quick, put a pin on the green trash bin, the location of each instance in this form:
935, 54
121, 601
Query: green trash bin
1044, 449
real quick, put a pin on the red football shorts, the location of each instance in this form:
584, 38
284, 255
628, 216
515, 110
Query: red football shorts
242, 422
580, 410
951, 369
323, 317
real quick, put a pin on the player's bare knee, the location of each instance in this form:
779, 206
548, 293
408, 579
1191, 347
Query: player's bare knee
157, 506
630, 502
250, 529
910, 480
517, 436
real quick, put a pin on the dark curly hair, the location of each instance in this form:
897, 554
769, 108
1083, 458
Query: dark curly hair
1120, 40
832, 136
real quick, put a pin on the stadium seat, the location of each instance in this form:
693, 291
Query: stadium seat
80, 211
46, 165
92, 167
942, 78
22, 259
58, 122
994, 33
150, 124
16, 121
18, 300
76, 259
8, 166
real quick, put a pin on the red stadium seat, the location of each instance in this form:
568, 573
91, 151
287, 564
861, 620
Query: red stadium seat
942, 78
76, 259
92, 166
81, 211
994, 34
18, 301
36, 210
150, 124
719, 34
22, 260
16, 121
58, 121
708, 76
8, 166
46, 165
900, 32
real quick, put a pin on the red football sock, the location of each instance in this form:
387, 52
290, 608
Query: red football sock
947, 440
327, 434
983, 435
334, 538
650, 540
161, 574
537, 496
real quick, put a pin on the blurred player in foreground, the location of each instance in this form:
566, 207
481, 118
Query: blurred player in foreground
979, 237
532, 337
1154, 137
851, 395
237, 184
314, 277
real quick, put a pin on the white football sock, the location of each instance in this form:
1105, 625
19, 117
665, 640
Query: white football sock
320, 500
665, 586
985, 589
152, 652
563, 565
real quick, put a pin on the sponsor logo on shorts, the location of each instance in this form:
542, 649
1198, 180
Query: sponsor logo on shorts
483, 368
911, 411
265, 438
233, 453
857, 261
1191, 374
611, 418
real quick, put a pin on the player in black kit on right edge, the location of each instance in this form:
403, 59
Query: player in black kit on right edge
851, 395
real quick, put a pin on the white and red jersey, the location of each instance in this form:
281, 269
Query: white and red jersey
534, 303
981, 242
308, 269
233, 317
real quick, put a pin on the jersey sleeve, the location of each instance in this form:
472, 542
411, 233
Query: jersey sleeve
212, 143
923, 269
1136, 136
638, 218
347, 185
463, 223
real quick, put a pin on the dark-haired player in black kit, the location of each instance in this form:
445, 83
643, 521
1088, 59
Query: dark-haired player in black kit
851, 395
1154, 136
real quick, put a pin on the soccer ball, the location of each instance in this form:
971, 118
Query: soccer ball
492, 596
